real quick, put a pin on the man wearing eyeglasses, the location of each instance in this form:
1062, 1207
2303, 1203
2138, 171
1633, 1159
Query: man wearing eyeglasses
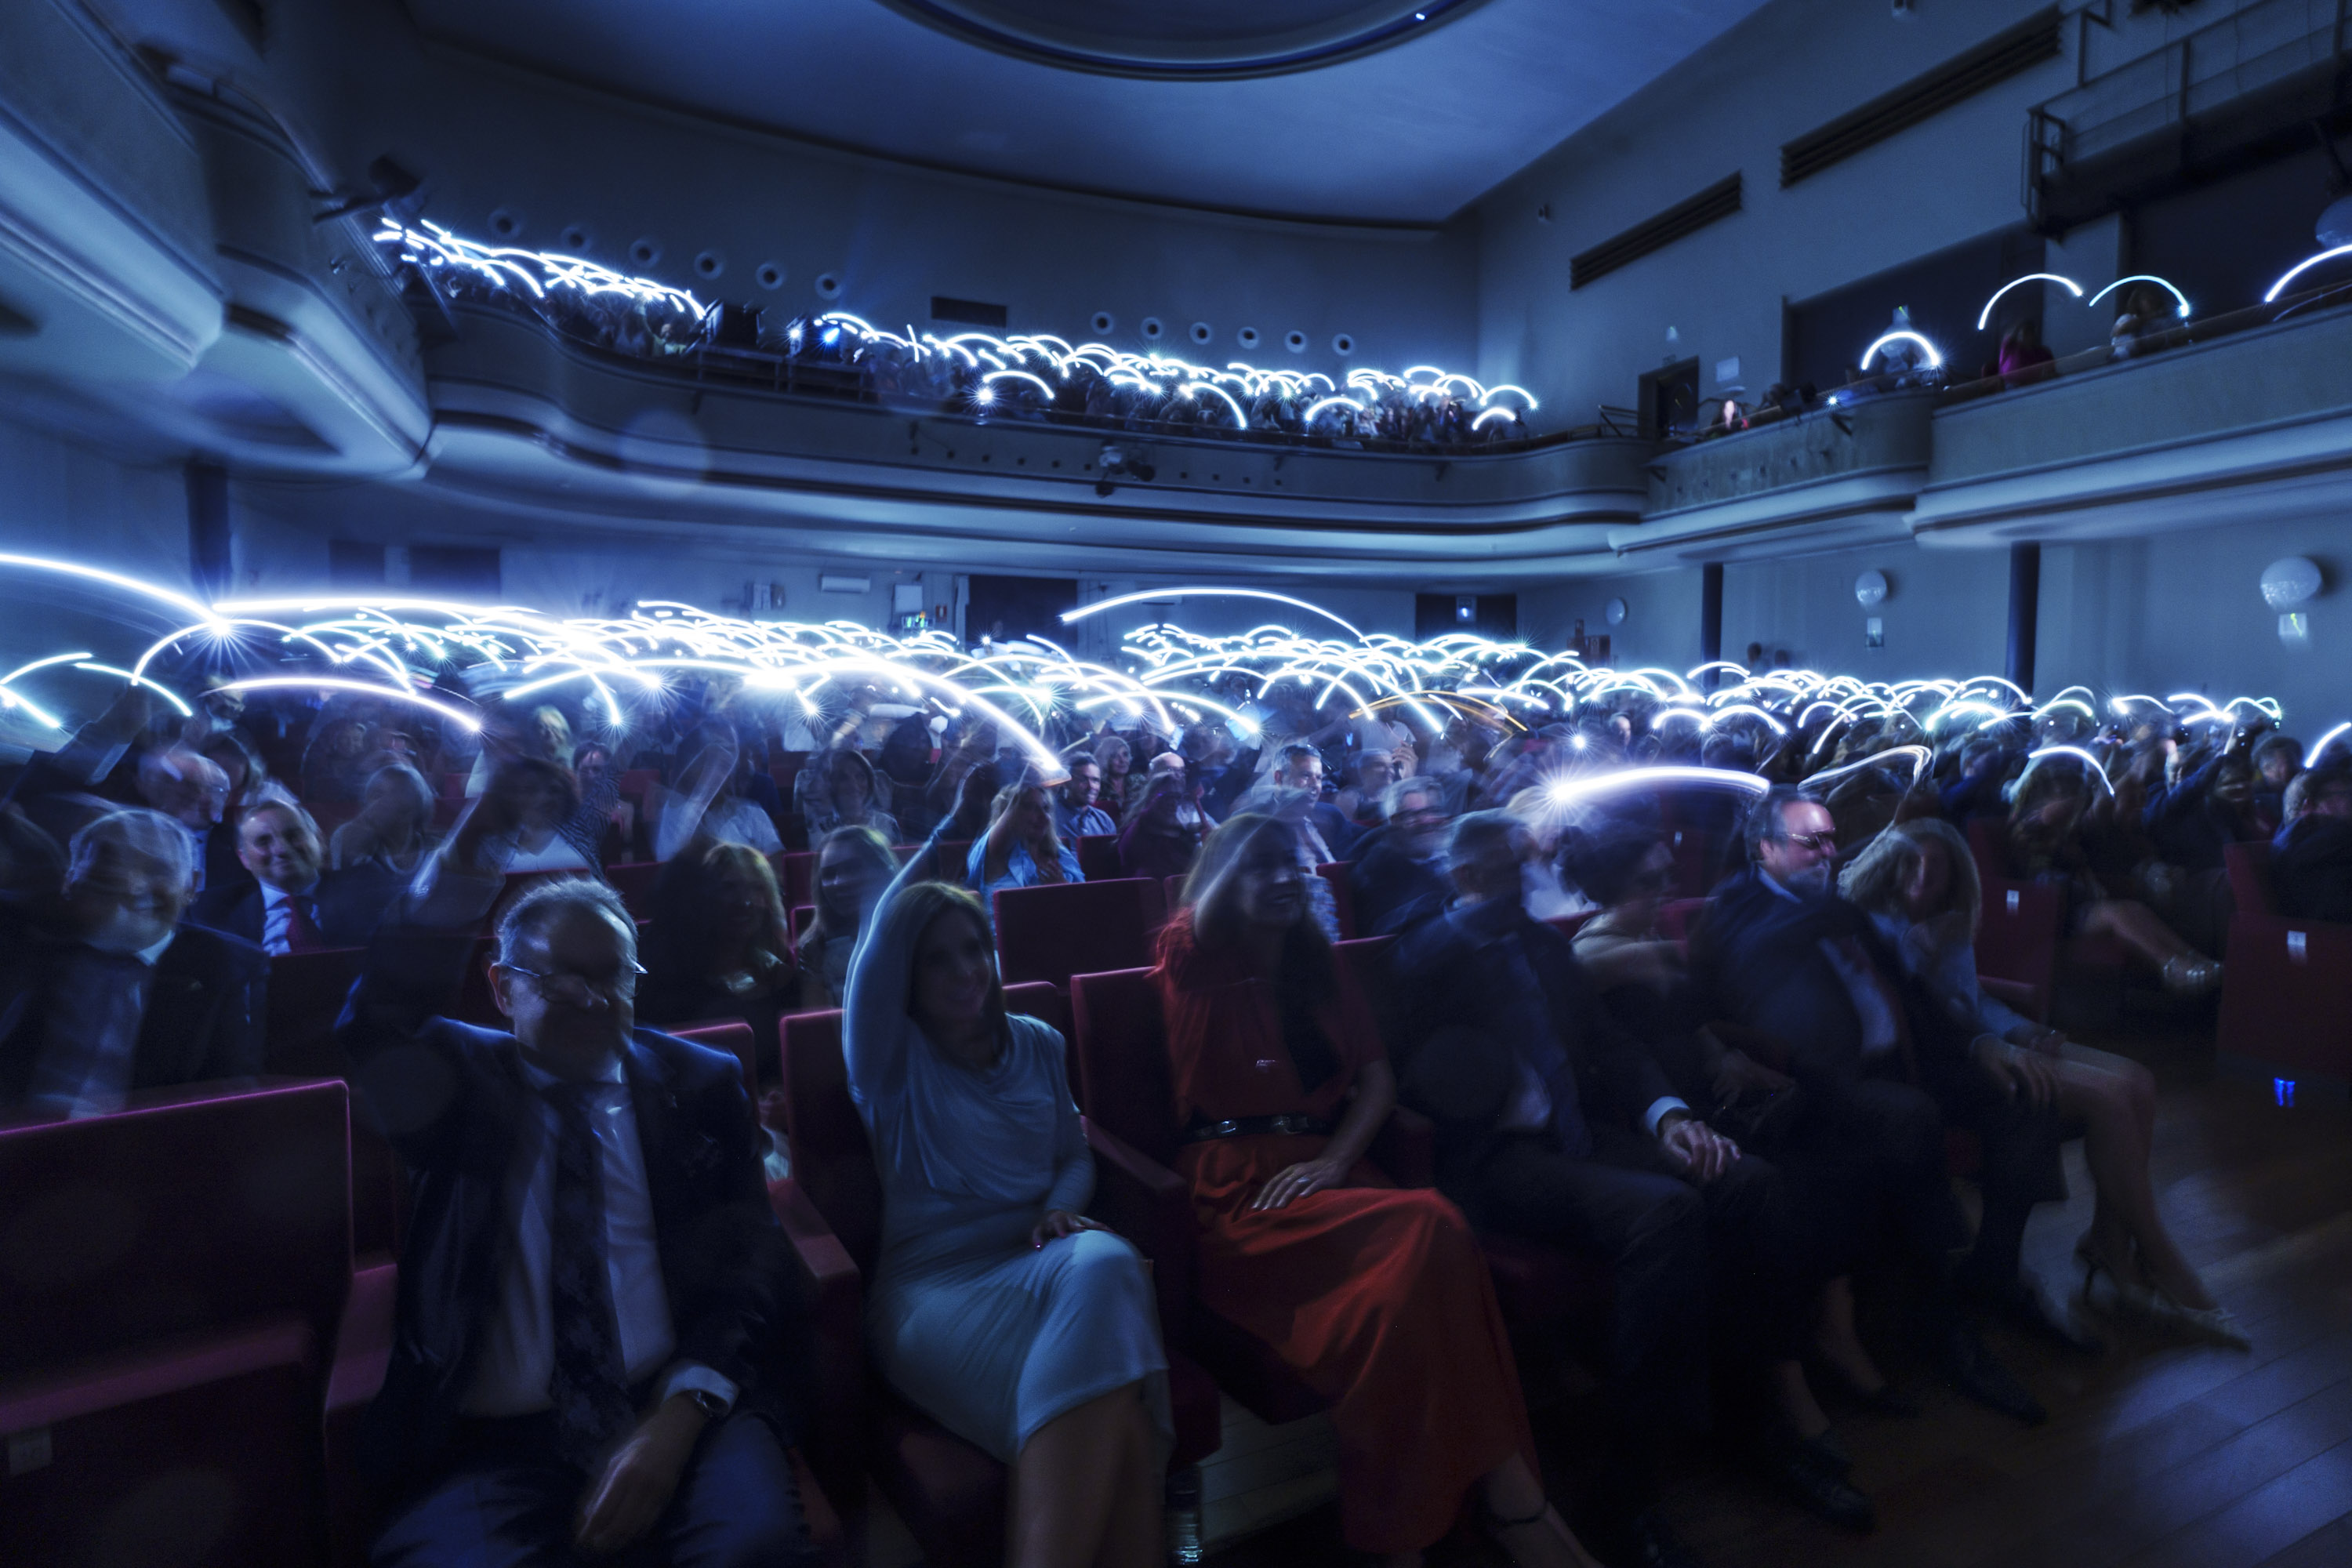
591, 1270
1880, 1070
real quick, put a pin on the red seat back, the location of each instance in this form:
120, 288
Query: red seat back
1366, 958
307, 991
634, 880
796, 876
1124, 1083
2250, 877
1098, 858
1338, 873
1054, 930
833, 1162
736, 1039
192, 1211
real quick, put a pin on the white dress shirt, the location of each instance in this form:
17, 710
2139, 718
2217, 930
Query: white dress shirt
518, 1354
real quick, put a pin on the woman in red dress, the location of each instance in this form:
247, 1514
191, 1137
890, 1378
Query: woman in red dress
1377, 1296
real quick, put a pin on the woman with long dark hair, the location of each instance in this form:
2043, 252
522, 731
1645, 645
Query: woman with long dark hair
853, 866
1376, 1297
719, 946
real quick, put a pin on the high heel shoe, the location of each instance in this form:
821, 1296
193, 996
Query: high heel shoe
2214, 1323
2190, 976
2151, 1305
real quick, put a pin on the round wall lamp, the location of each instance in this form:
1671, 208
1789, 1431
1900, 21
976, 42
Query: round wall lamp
1246, 337
771, 275
1151, 328
1202, 332
1616, 612
645, 250
2287, 585
1104, 321
710, 264
577, 236
828, 285
505, 223
1296, 341
1870, 589
1343, 346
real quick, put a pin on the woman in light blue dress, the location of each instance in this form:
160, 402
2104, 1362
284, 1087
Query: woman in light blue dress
1017, 1323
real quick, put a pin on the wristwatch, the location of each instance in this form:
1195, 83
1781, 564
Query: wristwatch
712, 1407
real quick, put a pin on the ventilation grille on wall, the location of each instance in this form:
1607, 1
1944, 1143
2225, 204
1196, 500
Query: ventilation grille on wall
969, 312
1719, 200
2027, 44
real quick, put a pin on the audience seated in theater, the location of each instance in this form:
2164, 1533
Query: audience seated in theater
1377, 1298
113, 760
592, 764
1118, 760
1977, 790
1162, 832
2311, 860
1020, 849
2191, 822
2045, 846
1398, 877
1360, 802
1293, 790
1917, 882
592, 1281
1022, 1326
539, 820
545, 734
334, 764
718, 945
853, 866
2024, 357
2278, 761
249, 782
1779, 953
705, 804
1545, 895
292, 905
838, 789
1555, 1123
102, 990
1074, 812
2147, 310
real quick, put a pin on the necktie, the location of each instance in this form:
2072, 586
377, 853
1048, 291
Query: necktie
588, 1390
302, 933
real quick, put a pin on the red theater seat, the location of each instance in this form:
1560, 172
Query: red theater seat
1098, 858
306, 996
634, 880
951, 1494
2286, 985
1054, 930
796, 876
169, 1278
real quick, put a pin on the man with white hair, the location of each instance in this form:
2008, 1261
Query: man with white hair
103, 991
1399, 878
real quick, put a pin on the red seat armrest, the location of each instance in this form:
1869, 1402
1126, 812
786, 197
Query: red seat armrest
1150, 1205
835, 1294
1406, 1148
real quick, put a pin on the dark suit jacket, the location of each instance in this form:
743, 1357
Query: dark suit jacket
205, 1007
452, 1097
350, 902
1390, 890
2311, 868
1465, 1010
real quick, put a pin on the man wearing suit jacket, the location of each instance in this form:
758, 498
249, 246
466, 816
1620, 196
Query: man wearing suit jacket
104, 992
593, 1274
1881, 1071
1556, 1125
290, 904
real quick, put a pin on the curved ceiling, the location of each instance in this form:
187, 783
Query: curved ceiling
1204, 37
1405, 134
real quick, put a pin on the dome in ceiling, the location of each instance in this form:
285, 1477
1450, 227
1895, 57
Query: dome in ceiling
1197, 38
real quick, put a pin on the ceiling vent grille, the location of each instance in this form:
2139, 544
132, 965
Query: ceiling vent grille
1719, 200
1997, 59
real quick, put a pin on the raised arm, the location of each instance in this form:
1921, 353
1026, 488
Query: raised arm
873, 1023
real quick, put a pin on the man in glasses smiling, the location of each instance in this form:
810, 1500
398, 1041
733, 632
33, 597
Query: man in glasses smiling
591, 1267
1881, 1069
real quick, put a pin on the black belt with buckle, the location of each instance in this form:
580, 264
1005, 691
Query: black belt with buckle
1257, 1126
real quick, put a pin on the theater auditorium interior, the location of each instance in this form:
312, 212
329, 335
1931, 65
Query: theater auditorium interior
960, 782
